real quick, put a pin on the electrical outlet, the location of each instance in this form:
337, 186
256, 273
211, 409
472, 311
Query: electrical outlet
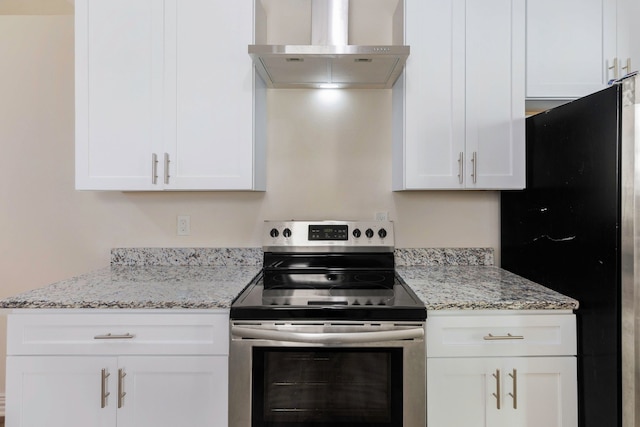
184, 225
382, 216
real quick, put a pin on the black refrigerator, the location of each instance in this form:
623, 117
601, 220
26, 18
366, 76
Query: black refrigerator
573, 230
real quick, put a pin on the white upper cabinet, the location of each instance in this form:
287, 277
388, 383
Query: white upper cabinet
166, 97
458, 109
628, 36
571, 47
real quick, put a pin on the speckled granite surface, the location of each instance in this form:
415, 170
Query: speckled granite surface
209, 287
186, 256
253, 256
480, 288
444, 256
210, 278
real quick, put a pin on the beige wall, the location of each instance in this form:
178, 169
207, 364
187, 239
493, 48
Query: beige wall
328, 157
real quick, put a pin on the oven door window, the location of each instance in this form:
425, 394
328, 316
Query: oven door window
327, 387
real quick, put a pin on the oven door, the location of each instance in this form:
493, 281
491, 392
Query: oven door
311, 374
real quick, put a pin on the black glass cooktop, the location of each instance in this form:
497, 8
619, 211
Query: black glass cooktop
328, 286
319, 300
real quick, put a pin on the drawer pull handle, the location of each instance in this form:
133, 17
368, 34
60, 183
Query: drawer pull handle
497, 393
514, 394
490, 337
103, 389
121, 392
110, 336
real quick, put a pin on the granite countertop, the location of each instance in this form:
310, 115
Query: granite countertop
190, 287
445, 279
464, 287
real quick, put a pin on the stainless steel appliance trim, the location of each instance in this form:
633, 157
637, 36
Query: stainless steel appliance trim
327, 249
413, 356
630, 257
296, 240
327, 338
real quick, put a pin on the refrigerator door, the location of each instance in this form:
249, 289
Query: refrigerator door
563, 232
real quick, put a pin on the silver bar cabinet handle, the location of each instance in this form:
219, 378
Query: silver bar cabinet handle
154, 168
111, 336
514, 394
497, 393
490, 337
166, 168
474, 166
627, 67
121, 392
103, 389
460, 167
614, 67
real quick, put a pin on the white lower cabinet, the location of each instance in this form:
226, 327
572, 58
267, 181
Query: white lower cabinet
138, 391
494, 391
82, 379
501, 370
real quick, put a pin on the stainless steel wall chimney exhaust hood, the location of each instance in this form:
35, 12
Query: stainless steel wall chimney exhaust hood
329, 62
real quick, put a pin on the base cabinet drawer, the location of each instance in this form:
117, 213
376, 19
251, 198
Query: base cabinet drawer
82, 333
501, 335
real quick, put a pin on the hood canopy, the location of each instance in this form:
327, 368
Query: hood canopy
329, 62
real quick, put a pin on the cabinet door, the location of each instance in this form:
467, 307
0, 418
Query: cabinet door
459, 106
209, 85
431, 94
166, 391
628, 36
119, 65
540, 392
497, 392
59, 391
495, 113
570, 45
459, 392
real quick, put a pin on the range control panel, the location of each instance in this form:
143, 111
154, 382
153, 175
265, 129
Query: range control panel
374, 236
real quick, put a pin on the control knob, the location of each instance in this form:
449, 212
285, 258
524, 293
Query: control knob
286, 232
382, 233
369, 233
274, 233
357, 233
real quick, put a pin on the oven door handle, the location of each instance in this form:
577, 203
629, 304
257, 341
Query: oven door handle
327, 337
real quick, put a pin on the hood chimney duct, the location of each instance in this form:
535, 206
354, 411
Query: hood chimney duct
330, 22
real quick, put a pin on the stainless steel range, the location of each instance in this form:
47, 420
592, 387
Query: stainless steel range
327, 335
